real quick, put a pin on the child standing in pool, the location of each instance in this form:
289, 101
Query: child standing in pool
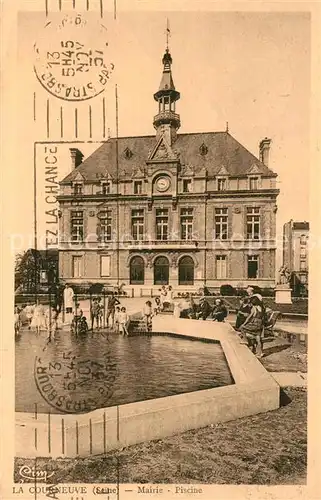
117, 312
148, 313
123, 320
51, 317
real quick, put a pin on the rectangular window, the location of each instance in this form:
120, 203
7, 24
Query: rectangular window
104, 265
77, 225
303, 252
138, 187
138, 224
253, 223
186, 223
106, 187
252, 266
254, 183
77, 189
105, 225
303, 265
221, 270
187, 185
77, 266
162, 224
221, 184
221, 221
166, 103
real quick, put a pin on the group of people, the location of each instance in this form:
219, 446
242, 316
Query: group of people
188, 308
185, 308
251, 320
36, 316
116, 315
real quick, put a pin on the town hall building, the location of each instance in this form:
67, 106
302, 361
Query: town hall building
187, 210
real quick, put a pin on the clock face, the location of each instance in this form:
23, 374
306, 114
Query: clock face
162, 184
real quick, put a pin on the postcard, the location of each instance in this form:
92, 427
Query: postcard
161, 250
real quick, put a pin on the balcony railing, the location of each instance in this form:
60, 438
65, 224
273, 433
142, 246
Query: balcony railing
165, 115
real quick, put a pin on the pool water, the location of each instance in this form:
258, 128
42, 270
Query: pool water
143, 367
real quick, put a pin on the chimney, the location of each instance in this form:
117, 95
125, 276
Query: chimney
76, 157
265, 151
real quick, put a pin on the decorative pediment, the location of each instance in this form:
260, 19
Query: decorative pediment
254, 169
202, 172
103, 176
187, 171
222, 170
162, 151
78, 178
138, 173
102, 207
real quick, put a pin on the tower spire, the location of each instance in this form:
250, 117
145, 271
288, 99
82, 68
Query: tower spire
168, 33
167, 121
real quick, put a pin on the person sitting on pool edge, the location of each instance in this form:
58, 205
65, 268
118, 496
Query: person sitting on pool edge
243, 312
253, 327
219, 311
203, 310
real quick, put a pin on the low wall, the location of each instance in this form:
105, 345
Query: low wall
254, 391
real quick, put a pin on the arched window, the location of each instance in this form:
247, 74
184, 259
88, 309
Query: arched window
137, 271
186, 271
161, 271
303, 239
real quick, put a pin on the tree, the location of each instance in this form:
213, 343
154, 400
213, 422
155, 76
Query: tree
36, 269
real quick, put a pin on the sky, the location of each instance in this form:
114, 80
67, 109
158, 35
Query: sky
250, 69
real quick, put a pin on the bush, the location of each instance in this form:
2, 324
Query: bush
96, 288
267, 292
227, 290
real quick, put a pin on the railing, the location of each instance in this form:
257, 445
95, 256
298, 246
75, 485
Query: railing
165, 115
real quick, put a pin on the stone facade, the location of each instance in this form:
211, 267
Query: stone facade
296, 252
184, 209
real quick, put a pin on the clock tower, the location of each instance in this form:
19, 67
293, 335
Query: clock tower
167, 121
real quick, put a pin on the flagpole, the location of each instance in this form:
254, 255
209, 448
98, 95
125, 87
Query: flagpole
117, 184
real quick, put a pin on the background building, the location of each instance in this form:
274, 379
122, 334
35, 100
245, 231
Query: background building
180, 209
296, 254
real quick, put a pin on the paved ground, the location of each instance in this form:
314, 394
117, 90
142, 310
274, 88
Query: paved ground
290, 379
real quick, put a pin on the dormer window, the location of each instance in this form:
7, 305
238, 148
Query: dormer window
222, 184
203, 149
254, 183
187, 185
106, 187
128, 154
138, 187
78, 188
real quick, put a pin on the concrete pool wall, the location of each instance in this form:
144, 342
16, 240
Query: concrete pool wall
103, 430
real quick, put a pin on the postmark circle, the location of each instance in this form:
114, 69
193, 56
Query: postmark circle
73, 385
73, 59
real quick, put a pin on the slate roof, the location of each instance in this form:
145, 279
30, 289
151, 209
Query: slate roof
222, 151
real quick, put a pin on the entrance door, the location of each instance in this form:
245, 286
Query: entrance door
161, 271
137, 271
186, 271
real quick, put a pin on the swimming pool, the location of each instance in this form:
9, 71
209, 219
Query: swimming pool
135, 369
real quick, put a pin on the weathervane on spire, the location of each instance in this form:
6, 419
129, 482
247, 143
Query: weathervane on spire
168, 33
